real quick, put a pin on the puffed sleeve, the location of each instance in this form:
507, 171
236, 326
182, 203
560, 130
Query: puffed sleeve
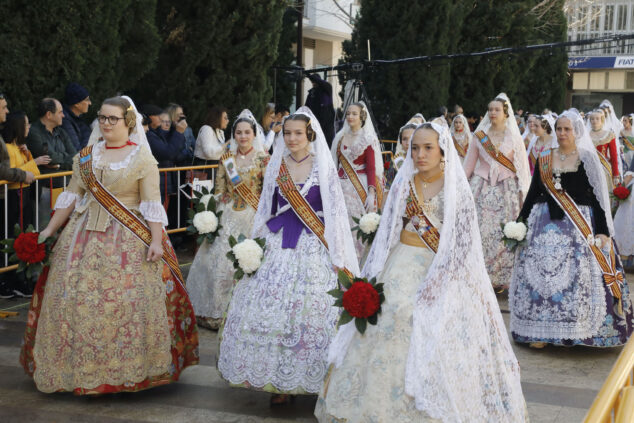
74, 191
149, 188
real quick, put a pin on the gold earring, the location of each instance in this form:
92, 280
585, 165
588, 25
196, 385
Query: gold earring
442, 165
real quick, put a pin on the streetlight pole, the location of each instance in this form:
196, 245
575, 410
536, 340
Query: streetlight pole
299, 61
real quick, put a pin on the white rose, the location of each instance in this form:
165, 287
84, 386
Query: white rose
515, 230
249, 255
205, 222
369, 223
205, 199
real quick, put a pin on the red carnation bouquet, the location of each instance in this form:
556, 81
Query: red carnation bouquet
30, 255
361, 300
621, 192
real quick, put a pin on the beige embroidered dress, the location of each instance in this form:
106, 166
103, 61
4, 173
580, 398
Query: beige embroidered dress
104, 322
210, 278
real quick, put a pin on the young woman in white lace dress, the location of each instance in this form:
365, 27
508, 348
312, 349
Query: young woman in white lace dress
359, 145
439, 351
281, 320
210, 278
499, 177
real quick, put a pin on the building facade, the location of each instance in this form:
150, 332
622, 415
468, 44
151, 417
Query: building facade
327, 24
604, 71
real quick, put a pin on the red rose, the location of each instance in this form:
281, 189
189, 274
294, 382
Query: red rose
621, 192
361, 300
386, 165
28, 250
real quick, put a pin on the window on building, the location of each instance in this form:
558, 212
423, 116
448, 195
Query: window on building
621, 20
595, 23
608, 22
582, 12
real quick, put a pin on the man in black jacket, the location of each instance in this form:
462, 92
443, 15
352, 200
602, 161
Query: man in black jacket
319, 100
76, 103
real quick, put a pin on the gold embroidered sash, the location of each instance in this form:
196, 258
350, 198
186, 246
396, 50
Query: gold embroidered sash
494, 152
424, 228
628, 142
122, 214
604, 161
611, 276
238, 184
533, 158
301, 207
461, 150
356, 183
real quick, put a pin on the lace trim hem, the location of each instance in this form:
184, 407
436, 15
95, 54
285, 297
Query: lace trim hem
97, 151
153, 211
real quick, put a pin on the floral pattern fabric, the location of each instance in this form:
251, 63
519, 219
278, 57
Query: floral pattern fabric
558, 294
103, 319
496, 204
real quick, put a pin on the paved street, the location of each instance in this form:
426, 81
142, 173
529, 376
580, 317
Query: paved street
559, 385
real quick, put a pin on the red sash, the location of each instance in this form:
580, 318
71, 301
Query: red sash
611, 276
494, 152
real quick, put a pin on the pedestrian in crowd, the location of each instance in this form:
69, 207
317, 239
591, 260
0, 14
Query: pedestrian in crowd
48, 138
210, 144
281, 112
497, 166
210, 279
319, 101
443, 112
112, 313
177, 117
167, 147
14, 175
439, 349
280, 320
269, 125
166, 123
568, 286
76, 103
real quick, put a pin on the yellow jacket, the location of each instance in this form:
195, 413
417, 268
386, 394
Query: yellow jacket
22, 161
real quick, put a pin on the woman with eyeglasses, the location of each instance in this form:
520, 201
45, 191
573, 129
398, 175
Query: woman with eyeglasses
111, 313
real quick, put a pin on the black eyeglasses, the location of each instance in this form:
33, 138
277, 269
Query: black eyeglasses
112, 120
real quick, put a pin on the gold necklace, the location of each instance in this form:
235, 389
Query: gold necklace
430, 180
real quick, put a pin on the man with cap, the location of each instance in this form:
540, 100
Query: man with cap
76, 103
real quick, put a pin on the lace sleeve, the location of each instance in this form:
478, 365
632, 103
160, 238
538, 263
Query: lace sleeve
153, 211
67, 199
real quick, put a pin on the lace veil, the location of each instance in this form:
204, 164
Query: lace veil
458, 339
550, 118
258, 141
465, 124
137, 136
368, 136
614, 124
399, 147
520, 158
338, 234
591, 163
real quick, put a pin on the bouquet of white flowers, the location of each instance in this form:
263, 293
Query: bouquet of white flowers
246, 255
204, 220
514, 233
367, 226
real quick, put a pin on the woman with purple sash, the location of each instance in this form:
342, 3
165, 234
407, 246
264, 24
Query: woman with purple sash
281, 319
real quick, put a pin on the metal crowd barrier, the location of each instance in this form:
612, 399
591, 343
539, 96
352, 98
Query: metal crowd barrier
615, 401
66, 178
